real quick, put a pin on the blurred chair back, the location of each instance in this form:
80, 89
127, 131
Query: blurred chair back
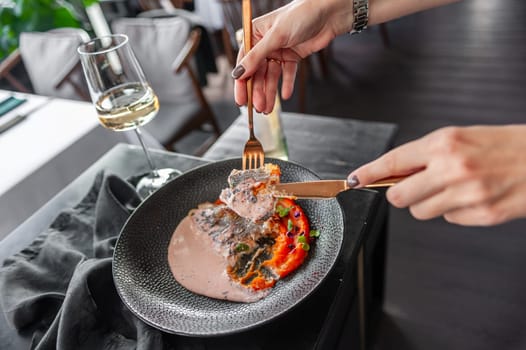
52, 62
165, 48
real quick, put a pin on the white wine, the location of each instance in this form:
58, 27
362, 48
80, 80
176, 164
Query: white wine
127, 106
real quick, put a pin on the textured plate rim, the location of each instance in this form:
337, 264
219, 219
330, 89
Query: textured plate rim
247, 327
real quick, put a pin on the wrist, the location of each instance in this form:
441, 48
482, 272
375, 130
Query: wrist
340, 14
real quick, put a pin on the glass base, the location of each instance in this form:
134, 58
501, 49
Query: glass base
152, 181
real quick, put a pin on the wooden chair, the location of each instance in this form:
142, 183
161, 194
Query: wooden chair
7, 66
165, 48
52, 63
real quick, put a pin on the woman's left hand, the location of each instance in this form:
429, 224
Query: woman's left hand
281, 39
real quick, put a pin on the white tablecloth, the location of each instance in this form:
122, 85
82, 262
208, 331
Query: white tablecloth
42, 154
43, 135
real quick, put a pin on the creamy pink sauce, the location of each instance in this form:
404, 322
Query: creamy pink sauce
201, 268
203, 242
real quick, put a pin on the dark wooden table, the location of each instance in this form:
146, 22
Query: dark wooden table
330, 147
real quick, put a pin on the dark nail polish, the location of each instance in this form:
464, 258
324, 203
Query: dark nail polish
353, 181
238, 71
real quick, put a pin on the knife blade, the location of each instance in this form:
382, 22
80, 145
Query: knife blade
311, 189
324, 188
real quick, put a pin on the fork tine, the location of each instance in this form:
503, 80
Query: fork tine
253, 155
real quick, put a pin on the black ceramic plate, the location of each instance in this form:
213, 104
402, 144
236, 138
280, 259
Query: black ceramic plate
148, 288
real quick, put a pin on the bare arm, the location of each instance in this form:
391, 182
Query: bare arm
298, 29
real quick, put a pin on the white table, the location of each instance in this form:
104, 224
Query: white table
43, 135
42, 154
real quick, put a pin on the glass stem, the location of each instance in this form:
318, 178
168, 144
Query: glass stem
146, 152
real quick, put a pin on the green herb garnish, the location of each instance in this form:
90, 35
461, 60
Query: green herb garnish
290, 225
241, 247
305, 246
302, 239
314, 233
282, 211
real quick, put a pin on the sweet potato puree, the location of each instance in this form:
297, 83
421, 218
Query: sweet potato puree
239, 247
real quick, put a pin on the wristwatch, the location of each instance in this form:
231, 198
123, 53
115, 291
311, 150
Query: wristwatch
361, 15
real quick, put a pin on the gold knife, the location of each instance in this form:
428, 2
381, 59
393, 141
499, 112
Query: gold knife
324, 188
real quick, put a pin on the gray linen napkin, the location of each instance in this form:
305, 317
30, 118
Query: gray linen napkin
61, 287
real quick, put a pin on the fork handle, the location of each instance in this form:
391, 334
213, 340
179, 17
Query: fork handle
250, 108
247, 40
387, 182
247, 25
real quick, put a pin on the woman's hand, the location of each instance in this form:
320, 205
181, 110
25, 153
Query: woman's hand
281, 39
470, 175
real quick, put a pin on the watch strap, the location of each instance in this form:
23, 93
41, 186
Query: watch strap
361, 15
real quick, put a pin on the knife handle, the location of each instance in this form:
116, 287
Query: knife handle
387, 182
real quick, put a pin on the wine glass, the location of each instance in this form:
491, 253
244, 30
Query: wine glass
122, 96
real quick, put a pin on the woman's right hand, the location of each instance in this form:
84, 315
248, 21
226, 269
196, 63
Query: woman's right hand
281, 39
469, 175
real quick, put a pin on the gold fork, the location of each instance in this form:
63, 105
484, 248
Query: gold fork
253, 154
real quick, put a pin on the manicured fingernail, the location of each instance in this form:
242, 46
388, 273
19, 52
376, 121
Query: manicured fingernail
238, 71
353, 181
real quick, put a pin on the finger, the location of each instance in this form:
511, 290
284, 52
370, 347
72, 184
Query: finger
251, 62
403, 160
240, 86
437, 205
415, 189
457, 196
271, 84
289, 76
481, 215
258, 96
511, 205
240, 92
